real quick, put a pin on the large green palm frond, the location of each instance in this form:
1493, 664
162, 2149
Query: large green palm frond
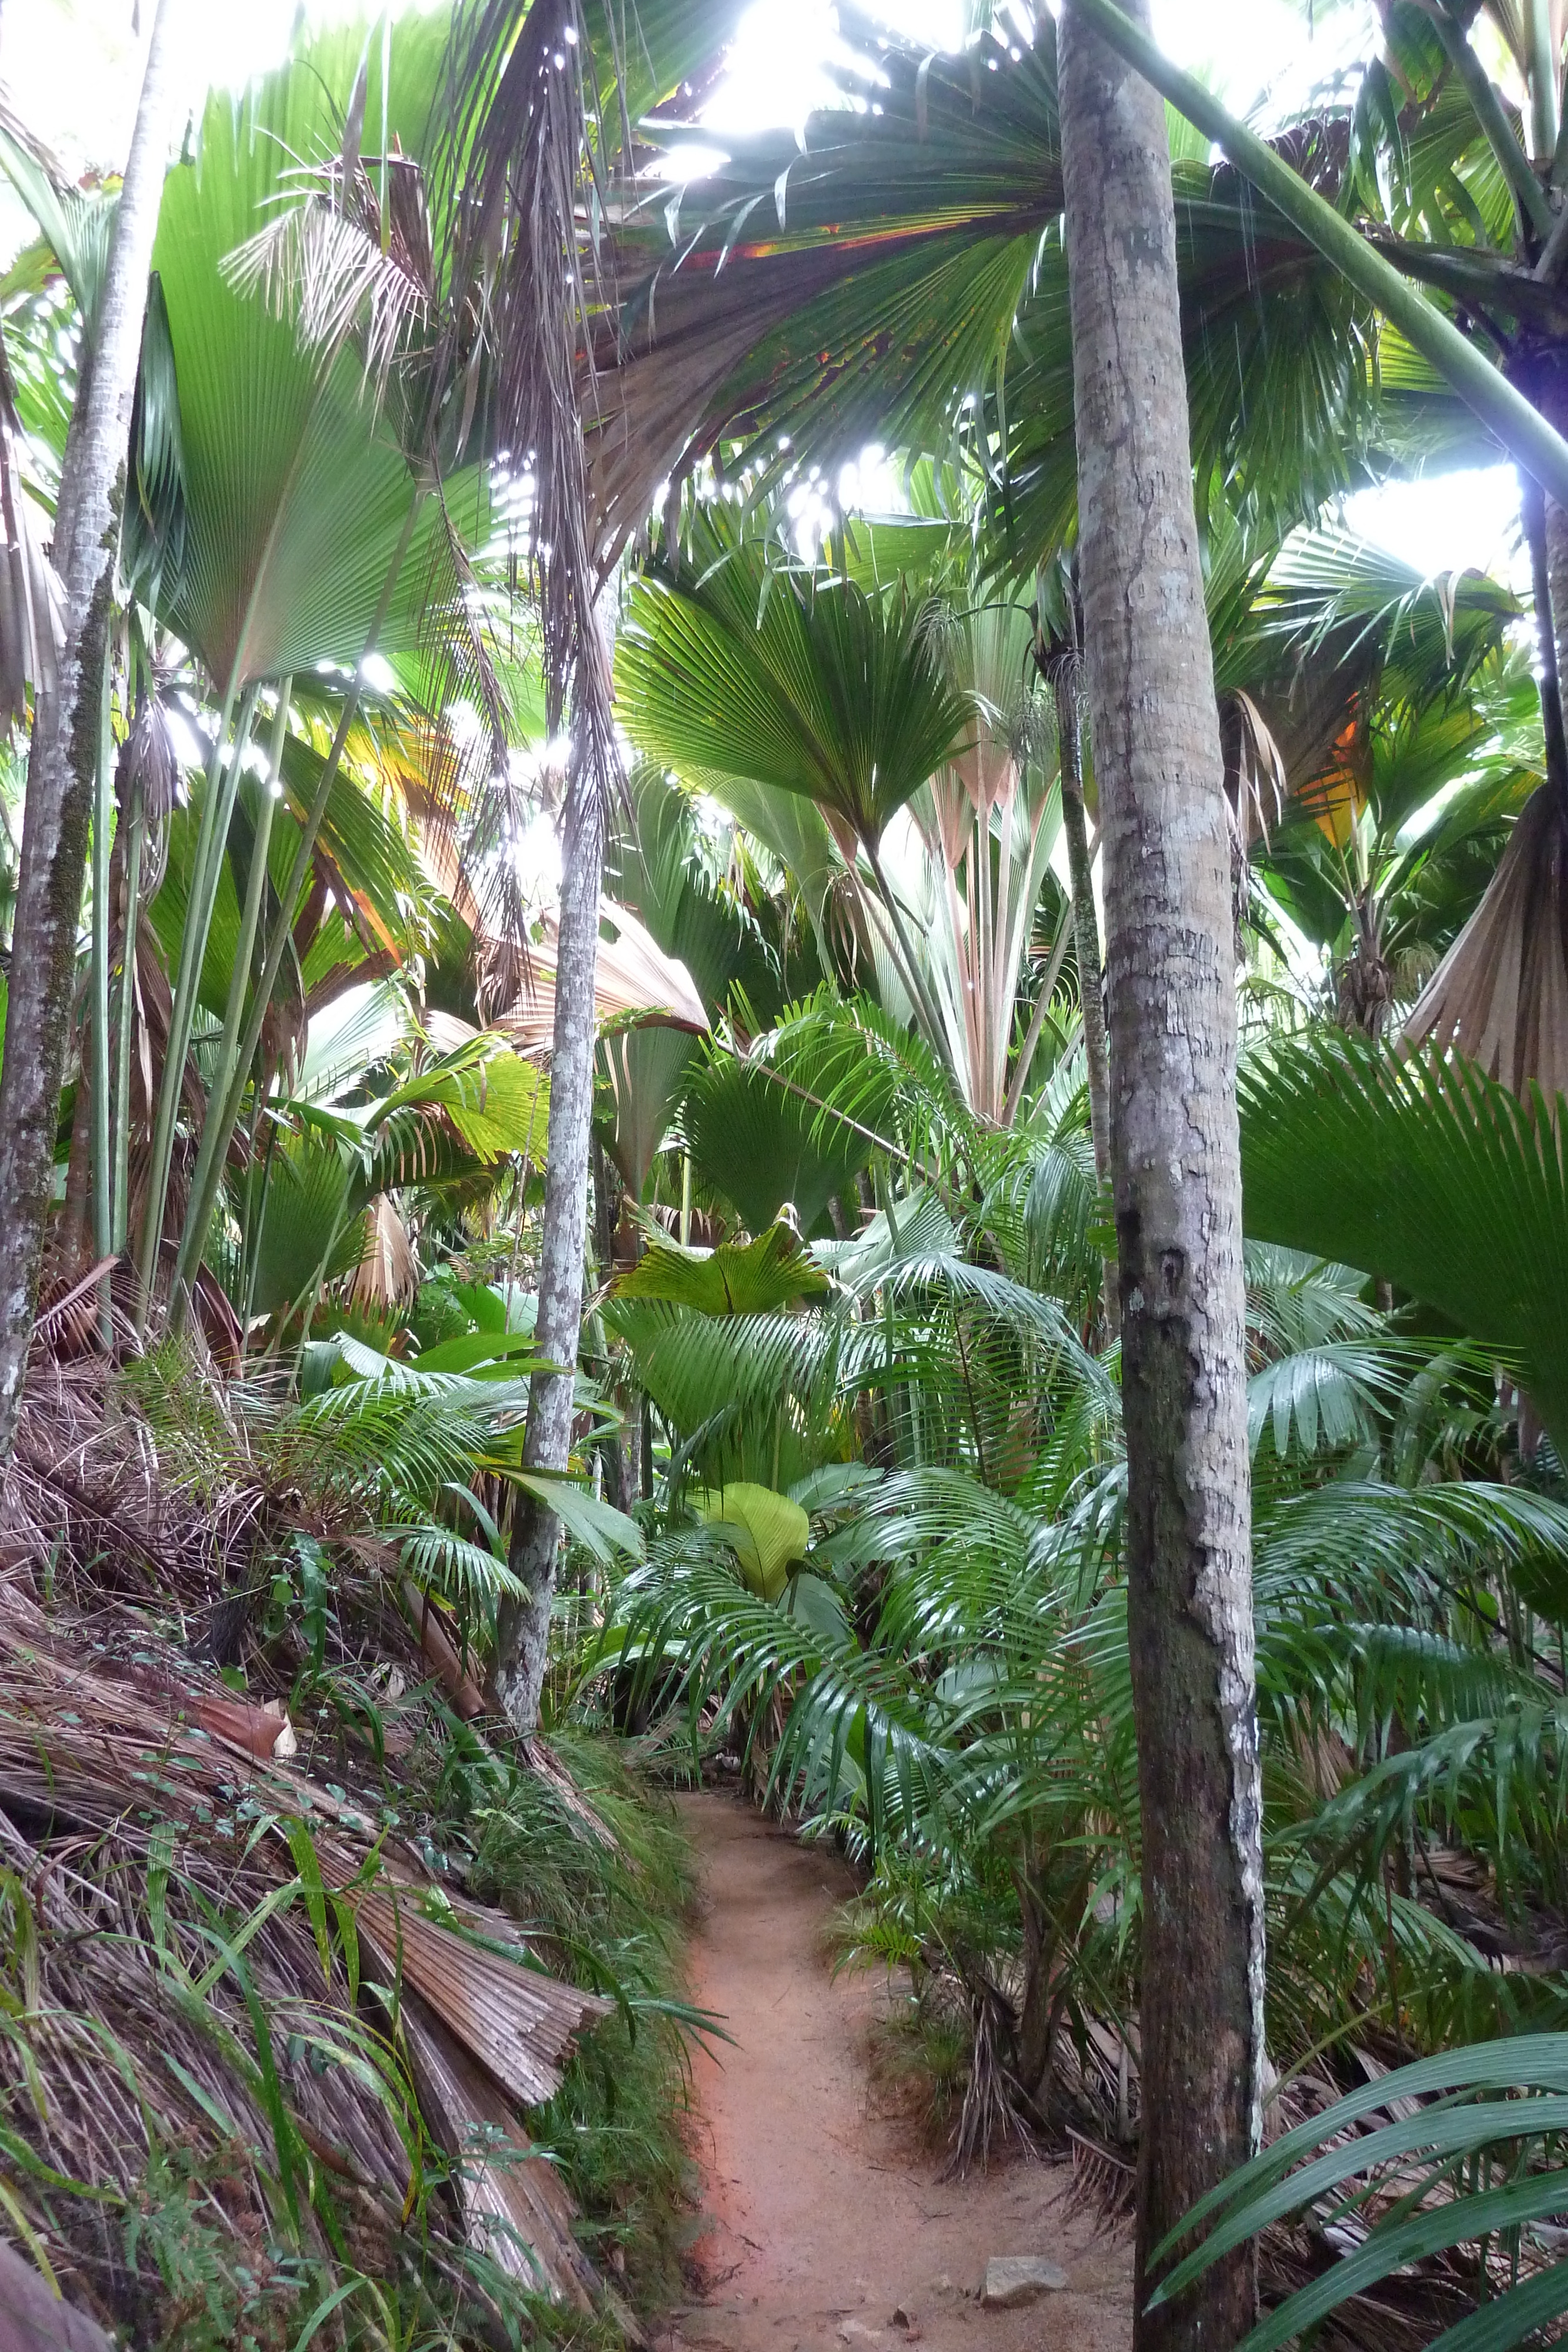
1425, 1172
292, 493
762, 1146
1456, 2148
817, 689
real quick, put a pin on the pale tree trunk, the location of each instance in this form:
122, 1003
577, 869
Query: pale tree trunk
523, 1634
64, 750
1176, 1175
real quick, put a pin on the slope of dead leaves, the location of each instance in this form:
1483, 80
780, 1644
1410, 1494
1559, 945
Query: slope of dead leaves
208, 1946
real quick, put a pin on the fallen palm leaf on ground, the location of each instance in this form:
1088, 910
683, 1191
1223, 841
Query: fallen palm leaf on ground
238, 2002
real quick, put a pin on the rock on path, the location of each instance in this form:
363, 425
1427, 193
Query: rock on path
828, 2229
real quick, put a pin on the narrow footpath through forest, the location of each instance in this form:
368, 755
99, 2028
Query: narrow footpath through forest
827, 2222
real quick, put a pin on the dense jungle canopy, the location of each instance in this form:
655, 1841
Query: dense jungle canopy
762, 1002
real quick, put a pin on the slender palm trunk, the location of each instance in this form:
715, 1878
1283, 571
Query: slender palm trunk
1533, 515
102, 1082
1546, 529
1176, 1172
64, 753
523, 1636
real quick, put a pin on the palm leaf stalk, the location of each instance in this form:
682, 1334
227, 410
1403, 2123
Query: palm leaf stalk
212, 835
1175, 1168
1523, 432
102, 1080
65, 732
222, 1115
216, 1132
135, 828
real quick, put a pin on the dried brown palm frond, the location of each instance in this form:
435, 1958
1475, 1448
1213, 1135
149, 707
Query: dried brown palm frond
1501, 995
1105, 2184
1255, 788
990, 2106
335, 2020
388, 1273
147, 774
349, 261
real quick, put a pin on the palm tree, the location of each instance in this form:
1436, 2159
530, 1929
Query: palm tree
897, 704
68, 724
1175, 1176
529, 138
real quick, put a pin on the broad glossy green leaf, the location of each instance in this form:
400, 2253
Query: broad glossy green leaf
767, 1531
733, 1280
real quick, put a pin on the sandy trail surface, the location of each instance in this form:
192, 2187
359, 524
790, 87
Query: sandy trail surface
825, 2214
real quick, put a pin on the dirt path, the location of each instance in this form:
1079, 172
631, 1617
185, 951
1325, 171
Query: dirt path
825, 2218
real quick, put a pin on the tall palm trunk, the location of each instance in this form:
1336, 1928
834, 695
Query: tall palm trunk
64, 753
1546, 532
523, 1638
1176, 1172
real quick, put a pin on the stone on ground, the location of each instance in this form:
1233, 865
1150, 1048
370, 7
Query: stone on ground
1012, 2279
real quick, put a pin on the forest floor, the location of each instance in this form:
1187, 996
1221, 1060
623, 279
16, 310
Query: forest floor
826, 2222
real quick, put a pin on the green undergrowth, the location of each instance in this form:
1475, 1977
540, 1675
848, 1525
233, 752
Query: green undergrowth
610, 1917
199, 2241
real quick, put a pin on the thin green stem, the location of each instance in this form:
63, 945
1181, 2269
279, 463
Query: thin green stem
214, 1144
135, 826
103, 798
211, 834
1530, 198
204, 1191
1521, 430
254, 1240
1542, 77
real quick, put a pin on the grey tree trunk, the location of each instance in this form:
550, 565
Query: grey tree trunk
1175, 1173
64, 749
1549, 390
523, 1633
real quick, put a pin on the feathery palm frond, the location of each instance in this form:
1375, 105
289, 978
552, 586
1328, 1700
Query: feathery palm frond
1434, 1176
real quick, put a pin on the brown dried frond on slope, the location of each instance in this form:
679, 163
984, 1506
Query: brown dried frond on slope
217, 1967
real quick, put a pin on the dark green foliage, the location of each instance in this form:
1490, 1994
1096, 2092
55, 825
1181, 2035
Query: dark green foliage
1425, 1172
610, 1917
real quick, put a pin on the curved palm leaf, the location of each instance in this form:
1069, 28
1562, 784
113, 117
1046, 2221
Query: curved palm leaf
1428, 1174
820, 690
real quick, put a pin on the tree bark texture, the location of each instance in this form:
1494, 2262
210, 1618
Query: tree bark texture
1175, 1174
1547, 384
64, 750
523, 1633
